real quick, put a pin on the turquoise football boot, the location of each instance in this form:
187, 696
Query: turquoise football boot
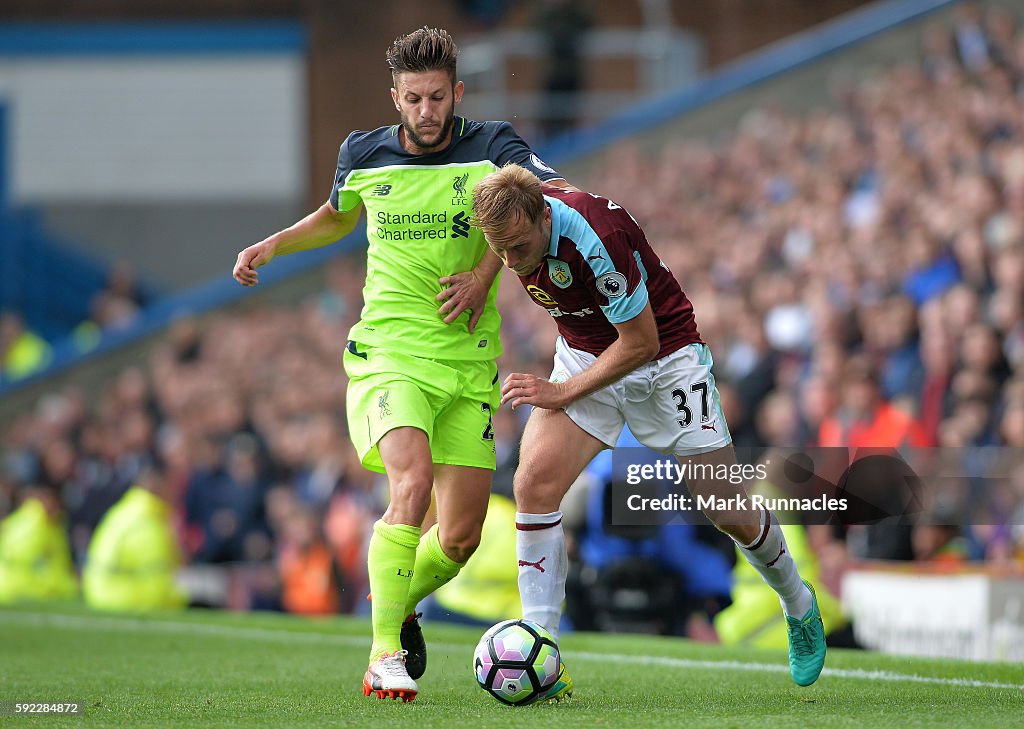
806, 644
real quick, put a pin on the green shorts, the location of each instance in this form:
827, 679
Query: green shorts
449, 400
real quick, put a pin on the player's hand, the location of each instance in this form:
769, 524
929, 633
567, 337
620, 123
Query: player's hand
465, 292
522, 389
249, 260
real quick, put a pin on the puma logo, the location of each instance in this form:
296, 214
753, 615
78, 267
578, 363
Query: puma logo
524, 563
709, 427
782, 551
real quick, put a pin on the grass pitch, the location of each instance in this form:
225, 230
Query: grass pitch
207, 669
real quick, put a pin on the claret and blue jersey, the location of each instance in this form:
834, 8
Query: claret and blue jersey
599, 271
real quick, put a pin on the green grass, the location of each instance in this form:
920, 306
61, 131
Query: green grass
209, 669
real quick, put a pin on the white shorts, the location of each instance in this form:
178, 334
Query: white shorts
671, 404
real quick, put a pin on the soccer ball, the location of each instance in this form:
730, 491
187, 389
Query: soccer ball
516, 662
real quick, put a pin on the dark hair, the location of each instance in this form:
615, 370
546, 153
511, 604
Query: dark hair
425, 49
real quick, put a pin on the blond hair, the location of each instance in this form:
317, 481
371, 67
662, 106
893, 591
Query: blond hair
505, 197
425, 49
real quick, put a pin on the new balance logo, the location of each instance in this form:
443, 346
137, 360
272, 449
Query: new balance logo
460, 226
709, 427
381, 190
535, 565
782, 551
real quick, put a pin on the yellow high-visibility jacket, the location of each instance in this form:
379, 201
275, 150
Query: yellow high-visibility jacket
28, 353
134, 557
35, 558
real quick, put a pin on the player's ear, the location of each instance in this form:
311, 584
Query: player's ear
459, 88
394, 98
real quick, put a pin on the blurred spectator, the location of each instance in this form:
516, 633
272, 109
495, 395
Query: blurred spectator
864, 419
114, 307
123, 284
21, 352
225, 500
938, 537
35, 559
311, 583
134, 555
973, 47
778, 420
932, 270
112, 446
324, 464
347, 527
890, 337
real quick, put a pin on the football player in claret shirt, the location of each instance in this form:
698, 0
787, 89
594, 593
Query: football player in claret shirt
628, 351
421, 360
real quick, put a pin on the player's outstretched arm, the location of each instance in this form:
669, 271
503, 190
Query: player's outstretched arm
323, 226
637, 344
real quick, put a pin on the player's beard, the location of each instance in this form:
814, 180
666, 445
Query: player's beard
421, 143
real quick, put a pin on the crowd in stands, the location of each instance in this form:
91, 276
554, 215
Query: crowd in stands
115, 306
858, 272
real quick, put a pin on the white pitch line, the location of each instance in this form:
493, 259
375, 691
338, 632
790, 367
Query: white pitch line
855, 673
127, 624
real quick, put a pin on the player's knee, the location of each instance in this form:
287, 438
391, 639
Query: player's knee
459, 544
533, 494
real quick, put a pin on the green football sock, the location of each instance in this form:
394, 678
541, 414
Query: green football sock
433, 569
389, 563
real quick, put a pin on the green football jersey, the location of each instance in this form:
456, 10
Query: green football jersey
418, 211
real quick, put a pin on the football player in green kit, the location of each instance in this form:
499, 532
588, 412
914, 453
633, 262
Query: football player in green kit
421, 360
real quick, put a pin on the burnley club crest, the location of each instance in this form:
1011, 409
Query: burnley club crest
558, 272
